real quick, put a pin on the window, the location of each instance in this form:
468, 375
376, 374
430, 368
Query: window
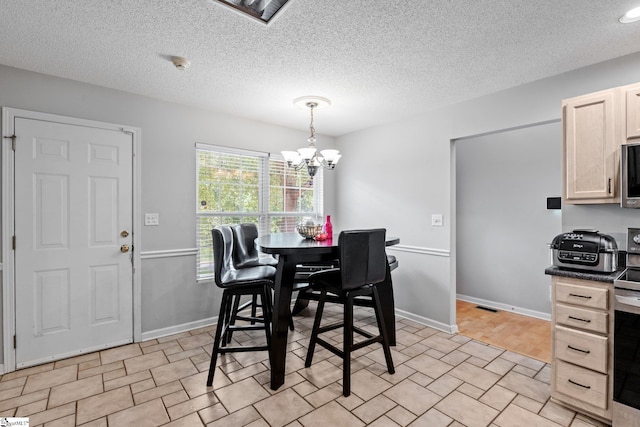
235, 186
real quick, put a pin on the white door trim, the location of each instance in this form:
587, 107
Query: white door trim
8, 230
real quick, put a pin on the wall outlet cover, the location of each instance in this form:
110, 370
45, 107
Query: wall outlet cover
436, 220
151, 219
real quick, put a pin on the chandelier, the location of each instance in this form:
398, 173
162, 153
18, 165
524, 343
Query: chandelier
308, 156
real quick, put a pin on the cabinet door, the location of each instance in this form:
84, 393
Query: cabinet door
632, 95
591, 142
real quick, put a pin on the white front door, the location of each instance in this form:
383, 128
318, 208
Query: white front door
73, 214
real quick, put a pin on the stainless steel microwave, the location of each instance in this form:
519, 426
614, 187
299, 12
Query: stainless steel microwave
630, 175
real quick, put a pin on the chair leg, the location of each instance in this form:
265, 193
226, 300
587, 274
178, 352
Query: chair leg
227, 317
234, 313
254, 307
216, 341
316, 327
383, 331
347, 345
267, 314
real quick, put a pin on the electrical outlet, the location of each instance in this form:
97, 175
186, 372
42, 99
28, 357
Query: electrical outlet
436, 220
151, 219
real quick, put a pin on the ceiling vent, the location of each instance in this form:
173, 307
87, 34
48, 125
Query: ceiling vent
265, 11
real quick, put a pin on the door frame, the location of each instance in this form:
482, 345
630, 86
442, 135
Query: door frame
8, 222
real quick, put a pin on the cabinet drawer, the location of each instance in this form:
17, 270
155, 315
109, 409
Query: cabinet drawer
585, 296
581, 348
576, 317
582, 384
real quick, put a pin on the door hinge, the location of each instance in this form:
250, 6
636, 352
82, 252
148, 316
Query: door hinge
14, 341
13, 243
13, 141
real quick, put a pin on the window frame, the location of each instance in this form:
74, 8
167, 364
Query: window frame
264, 215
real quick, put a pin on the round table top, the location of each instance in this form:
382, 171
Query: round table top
282, 243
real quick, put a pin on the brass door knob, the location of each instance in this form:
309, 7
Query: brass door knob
124, 248
124, 233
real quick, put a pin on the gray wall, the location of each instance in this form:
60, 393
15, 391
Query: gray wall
416, 177
170, 294
503, 224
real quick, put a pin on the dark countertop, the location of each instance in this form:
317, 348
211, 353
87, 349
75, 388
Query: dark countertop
585, 275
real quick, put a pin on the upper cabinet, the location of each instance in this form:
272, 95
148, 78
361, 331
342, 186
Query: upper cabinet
592, 134
632, 97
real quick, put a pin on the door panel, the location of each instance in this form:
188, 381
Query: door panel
73, 187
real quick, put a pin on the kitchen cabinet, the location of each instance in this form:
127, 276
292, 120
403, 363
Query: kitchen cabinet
582, 347
592, 134
632, 99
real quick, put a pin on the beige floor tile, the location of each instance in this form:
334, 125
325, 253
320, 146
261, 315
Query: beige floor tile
76, 390
68, 421
194, 341
196, 385
331, 414
515, 416
444, 385
413, 397
175, 398
429, 366
27, 371
9, 384
283, 408
367, 385
241, 418
374, 408
192, 420
193, 405
100, 369
52, 414
120, 353
466, 410
325, 395
241, 394
156, 392
127, 380
441, 344
100, 422
173, 371
478, 377
145, 362
322, 373
25, 399
109, 402
432, 418
498, 397
481, 350
455, 358
150, 414
213, 413
76, 360
50, 379
500, 366
401, 416
31, 408
528, 404
383, 421
523, 360
556, 413
11, 392
526, 386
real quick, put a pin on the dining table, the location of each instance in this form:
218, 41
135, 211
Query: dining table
292, 250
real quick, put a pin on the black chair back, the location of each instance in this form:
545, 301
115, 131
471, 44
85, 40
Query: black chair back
362, 257
245, 253
222, 254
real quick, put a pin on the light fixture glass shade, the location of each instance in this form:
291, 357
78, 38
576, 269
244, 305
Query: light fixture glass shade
307, 153
291, 157
330, 156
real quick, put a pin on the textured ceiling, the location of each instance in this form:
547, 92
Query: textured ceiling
377, 60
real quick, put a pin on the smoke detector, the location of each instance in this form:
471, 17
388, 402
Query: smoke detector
180, 63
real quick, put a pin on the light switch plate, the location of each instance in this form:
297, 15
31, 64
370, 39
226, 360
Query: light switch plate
436, 220
151, 219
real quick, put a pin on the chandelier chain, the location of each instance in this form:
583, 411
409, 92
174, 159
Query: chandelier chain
312, 130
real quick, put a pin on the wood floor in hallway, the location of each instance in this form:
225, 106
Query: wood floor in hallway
521, 334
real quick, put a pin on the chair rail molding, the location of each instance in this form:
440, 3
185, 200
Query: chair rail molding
168, 253
420, 250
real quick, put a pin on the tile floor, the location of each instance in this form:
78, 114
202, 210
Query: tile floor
440, 380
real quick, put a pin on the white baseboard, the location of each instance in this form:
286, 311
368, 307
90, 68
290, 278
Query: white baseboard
450, 329
505, 307
172, 330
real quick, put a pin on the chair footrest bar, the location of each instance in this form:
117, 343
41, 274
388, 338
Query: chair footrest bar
330, 347
237, 349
